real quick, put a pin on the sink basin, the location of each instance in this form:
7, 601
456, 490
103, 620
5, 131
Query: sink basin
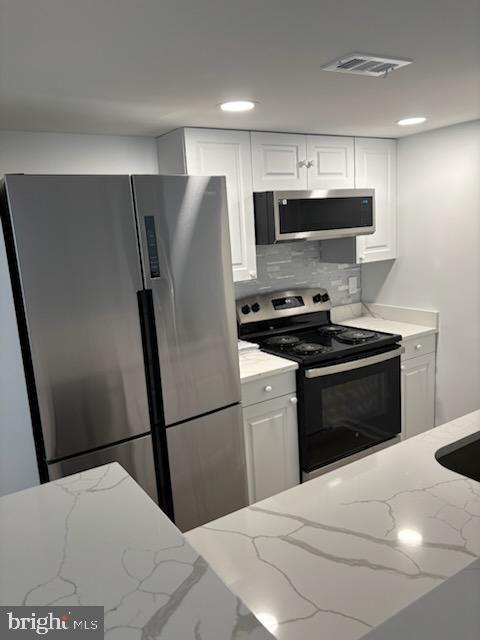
462, 456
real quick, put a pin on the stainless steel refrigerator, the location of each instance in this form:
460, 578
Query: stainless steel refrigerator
125, 306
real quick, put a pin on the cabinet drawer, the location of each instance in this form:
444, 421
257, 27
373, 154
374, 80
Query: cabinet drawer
418, 346
268, 388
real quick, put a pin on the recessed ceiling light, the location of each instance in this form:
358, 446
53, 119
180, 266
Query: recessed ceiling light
237, 105
407, 121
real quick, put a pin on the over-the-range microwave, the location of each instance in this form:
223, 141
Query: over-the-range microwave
313, 215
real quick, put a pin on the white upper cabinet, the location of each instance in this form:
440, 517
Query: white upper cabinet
284, 161
375, 168
220, 153
330, 162
279, 161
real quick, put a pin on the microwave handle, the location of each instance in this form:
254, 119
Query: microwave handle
354, 364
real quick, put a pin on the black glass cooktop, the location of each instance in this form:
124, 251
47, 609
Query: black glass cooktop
323, 343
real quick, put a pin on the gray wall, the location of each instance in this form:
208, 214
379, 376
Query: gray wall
25, 152
297, 264
439, 255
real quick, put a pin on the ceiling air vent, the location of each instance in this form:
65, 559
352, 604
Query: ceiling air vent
366, 65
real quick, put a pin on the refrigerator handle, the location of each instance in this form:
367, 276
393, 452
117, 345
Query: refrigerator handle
155, 400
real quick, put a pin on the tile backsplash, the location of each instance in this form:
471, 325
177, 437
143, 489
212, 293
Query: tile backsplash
297, 264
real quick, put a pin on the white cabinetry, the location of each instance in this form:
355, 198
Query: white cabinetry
263, 161
219, 152
330, 162
418, 386
279, 161
284, 161
375, 168
271, 436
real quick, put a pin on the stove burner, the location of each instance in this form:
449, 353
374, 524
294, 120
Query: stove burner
354, 336
282, 341
331, 330
309, 348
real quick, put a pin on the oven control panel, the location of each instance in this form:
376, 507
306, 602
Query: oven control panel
281, 304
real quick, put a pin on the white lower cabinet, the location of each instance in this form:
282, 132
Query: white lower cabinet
271, 446
418, 393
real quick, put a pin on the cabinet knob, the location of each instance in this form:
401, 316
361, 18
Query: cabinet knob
268, 388
252, 274
309, 164
301, 163
294, 400
402, 367
418, 347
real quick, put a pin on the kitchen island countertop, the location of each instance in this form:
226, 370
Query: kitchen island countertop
341, 555
95, 538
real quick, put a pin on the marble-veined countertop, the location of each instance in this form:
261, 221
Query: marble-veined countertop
408, 322
408, 330
256, 364
340, 555
96, 538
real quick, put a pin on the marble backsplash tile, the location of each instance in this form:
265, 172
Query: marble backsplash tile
297, 264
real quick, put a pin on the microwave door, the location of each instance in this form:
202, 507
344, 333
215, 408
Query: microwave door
313, 215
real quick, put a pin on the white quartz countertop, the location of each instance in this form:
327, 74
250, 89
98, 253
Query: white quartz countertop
256, 364
340, 555
405, 329
96, 538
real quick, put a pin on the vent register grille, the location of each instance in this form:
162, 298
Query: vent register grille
365, 64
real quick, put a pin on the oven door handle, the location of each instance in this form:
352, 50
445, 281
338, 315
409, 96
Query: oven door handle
354, 364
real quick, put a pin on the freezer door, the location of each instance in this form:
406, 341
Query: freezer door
208, 469
78, 262
187, 263
135, 456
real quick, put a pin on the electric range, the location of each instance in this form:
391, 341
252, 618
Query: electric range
348, 381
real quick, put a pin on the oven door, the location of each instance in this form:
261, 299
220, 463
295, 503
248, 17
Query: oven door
347, 407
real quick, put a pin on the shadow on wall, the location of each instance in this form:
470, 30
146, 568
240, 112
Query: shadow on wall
374, 278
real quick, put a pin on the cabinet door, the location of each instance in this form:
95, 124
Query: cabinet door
375, 168
214, 152
331, 163
271, 443
278, 161
418, 395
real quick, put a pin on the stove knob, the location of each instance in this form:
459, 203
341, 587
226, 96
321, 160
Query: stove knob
325, 297
246, 309
317, 297
255, 307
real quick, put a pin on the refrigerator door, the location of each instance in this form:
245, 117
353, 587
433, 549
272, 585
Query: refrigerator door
208, 469
136, 456
186, 261
77, 258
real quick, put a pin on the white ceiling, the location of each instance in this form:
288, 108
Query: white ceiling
148, 66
